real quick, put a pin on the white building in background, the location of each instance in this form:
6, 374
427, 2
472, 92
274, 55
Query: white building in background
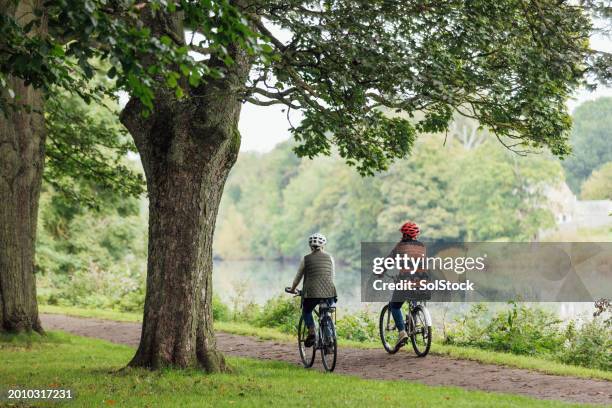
572, 214
562, 203
593, 213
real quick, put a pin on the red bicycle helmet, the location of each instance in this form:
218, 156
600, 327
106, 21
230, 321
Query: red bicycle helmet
410, 229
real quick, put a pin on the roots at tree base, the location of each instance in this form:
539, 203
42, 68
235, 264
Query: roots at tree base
210, 362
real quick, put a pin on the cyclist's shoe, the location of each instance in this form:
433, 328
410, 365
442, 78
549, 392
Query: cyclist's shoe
403, 338
310, 340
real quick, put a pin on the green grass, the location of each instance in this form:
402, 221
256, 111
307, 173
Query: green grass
90, 368
484, 356
525, 362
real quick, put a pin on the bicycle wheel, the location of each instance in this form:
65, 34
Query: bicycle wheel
307, 354
388, 332
421, 334
329, 344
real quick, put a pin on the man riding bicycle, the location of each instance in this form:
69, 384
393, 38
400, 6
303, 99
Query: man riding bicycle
318, 271
413, 248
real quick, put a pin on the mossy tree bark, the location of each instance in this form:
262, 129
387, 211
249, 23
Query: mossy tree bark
187, 147
22, 142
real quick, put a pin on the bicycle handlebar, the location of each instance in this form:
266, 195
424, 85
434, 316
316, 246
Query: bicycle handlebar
296, 292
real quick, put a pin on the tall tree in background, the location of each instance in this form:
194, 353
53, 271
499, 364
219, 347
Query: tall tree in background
509, 64
599, 185
22, 141
590, 140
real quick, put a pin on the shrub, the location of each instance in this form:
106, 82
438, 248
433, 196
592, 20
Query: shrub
131, 301
121, 289
518, 330
248, 312
280, 312
590, 345
360, 327
525, 330
220, 310
470, 330
534, 331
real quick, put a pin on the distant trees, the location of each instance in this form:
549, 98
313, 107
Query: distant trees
591, 141
599, 185
500, 196
480, 193
87, 176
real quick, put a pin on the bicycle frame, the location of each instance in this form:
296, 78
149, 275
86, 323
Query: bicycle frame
326, 340
331, 310
413, 304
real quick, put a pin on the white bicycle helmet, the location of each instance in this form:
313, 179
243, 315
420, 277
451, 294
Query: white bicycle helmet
317, 240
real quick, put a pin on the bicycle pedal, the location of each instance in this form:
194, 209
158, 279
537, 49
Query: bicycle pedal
401, 343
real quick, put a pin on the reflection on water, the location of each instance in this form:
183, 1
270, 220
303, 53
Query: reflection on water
266, 279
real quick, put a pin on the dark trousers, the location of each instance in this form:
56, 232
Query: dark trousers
398, 317
308, 306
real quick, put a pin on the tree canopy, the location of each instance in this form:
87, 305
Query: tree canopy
86, 151
509, 64
62, 45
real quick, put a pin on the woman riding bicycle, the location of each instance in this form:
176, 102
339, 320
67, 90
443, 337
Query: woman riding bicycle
413, 248
317, 269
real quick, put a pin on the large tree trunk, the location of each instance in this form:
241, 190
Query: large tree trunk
187, 149
22, 142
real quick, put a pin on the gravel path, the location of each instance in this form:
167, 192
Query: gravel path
375, 363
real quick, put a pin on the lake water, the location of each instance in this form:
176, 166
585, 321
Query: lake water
261, 280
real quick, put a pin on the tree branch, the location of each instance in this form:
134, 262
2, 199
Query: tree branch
200, 50
264, 30
274, 95
271, 102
